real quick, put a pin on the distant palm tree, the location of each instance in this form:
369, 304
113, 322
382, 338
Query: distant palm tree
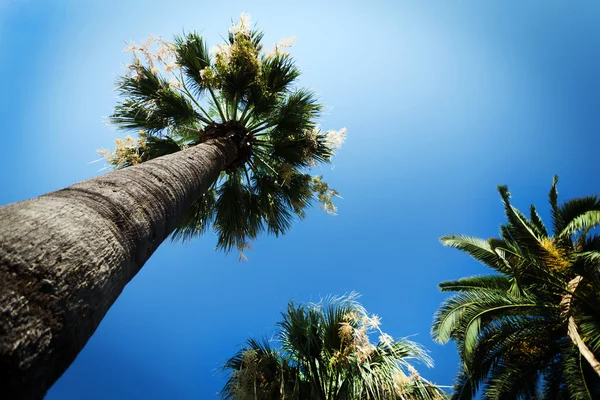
325, 353
532, 330
226, 140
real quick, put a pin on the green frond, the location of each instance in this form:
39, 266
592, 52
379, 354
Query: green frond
557, 222
508, 250
488, 282
193, 57
498, 343
421, 389
160, 146
143, 86
299, 150
538, 224
150, 104
257, 36
240, 70
175, 107
579, 214
279, 73
588, 324
236, 218
135, 115
271, 204
465, 387
479, 249
259, 104
197, 219
552, 384
255, 371
301, 333
297, 192
462, 312
575, 374
590, 243
513, 381
521, 229
590, 256
296, 113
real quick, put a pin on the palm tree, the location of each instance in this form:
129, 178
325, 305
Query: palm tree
532, 330
325, 353
226, 141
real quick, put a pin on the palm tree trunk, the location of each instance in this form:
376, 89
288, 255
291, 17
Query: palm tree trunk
572, 326
66, 256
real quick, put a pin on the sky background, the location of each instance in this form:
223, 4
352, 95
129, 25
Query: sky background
443, 101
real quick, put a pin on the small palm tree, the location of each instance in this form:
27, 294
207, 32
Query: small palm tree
326, 353
226, 140
178, 95
532, 330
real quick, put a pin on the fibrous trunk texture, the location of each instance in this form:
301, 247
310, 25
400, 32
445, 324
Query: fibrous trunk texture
66, 256
572, 326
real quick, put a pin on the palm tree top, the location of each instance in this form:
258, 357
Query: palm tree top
333, 349
531, 330
179, 94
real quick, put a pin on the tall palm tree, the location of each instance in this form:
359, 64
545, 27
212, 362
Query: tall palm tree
532, 330
325, 353
226, 140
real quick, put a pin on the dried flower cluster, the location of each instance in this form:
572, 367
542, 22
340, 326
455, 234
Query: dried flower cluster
335, 139
128, 151
281, 47
354, 333
325, 194
157, 55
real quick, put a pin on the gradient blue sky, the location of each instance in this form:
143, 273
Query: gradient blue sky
443, 101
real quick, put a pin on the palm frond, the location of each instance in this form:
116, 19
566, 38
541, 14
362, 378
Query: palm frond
493, 282
575, 374
479, 249
557, 222
197, 219
150, 104
279, 73
521, 229
236, 217
160, 146
193, 57
538, 224
296, 113
273, 209
579, 214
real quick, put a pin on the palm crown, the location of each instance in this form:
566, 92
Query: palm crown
533, 329
325, 352
179, 94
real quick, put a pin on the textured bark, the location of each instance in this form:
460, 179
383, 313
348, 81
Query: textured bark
572, 326
66, 256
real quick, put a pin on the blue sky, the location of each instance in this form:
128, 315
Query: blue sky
442, 103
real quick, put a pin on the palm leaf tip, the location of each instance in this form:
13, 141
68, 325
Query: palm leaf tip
504, 193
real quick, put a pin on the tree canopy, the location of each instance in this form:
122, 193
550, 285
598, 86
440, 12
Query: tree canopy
179, 94
532, 329
325, 351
